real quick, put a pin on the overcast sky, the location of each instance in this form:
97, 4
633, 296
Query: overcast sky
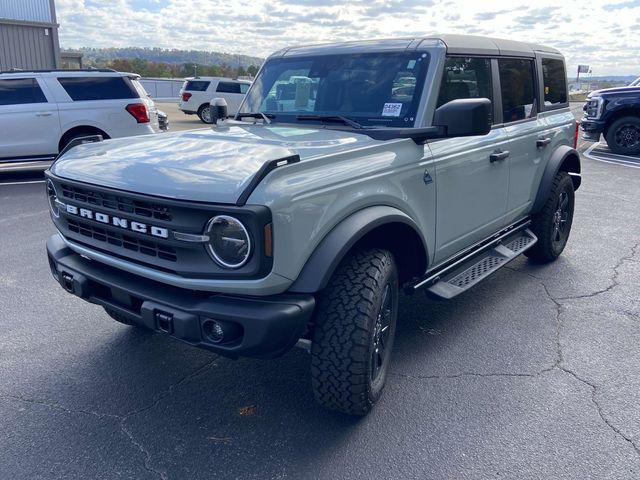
601, 33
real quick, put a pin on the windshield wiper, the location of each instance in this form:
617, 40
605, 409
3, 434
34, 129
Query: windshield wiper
331, 118
264, 116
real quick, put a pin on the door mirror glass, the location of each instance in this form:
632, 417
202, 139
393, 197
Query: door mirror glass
464, 117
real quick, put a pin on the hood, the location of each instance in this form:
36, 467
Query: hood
209, 165
614, 91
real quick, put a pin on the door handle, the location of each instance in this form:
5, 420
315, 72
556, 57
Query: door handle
498, 156
543, 142
44, 114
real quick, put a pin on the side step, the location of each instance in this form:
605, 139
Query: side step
480, 266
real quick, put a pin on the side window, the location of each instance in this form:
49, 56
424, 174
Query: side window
244, 88
196, 85
555, 82
17, 91
517, 86
228, 87
465, 78
98, 88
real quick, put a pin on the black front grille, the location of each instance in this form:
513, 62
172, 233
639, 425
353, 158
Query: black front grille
146, 247
111, 235
117, 203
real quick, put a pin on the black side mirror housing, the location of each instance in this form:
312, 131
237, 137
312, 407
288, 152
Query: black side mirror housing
464, 117
219, 110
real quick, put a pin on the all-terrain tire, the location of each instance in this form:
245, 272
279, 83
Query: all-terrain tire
351, 348
204, 114
118, 317
623, 136
552, 224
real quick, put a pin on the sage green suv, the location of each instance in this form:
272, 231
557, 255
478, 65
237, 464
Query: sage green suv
351, 171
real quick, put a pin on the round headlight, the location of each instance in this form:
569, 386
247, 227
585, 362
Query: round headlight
52, 197
229, 243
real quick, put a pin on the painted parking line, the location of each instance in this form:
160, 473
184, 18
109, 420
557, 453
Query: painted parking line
24, 182
601, 153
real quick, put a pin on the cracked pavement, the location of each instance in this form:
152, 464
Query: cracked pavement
534, 373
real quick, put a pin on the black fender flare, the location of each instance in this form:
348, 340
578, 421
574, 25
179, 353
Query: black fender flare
563, 158
320, 266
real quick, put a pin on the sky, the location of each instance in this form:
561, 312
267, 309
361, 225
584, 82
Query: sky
601, 33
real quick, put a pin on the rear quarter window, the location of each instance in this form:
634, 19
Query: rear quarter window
555, 82
98, 88
196, 85
18, 91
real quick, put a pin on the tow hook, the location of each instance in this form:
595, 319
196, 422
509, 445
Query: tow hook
164, 321
67, 282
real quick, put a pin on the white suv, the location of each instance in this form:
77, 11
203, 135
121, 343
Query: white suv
197, 92
42, 111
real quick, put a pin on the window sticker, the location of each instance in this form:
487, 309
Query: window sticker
411, 64
391, 109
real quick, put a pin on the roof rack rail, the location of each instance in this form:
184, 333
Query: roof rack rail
89, 69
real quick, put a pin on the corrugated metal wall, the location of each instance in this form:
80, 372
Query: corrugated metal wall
26, 47
26, 10
161, 88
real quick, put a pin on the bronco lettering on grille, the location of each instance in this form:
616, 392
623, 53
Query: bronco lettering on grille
118, 221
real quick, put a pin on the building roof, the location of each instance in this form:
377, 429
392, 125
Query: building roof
454, 44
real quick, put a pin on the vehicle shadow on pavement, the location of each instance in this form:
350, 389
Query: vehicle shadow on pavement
187, 412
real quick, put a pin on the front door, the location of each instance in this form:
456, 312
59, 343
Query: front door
29, 124
472, 173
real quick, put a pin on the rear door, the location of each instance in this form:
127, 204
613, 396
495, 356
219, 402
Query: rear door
29, 124
233, 93
100, 101
471, 180
526, 129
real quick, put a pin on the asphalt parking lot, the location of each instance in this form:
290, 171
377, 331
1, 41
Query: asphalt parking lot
532, 374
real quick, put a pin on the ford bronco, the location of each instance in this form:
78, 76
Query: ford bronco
350, 172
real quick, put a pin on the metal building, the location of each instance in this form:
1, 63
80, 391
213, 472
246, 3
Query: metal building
28, 35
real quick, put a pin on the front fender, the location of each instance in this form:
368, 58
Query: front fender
338, 242
563, 158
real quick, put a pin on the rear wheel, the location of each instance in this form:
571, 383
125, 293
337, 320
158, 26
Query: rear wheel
354, 331
204, 113
69, 136
623, 136
552, 224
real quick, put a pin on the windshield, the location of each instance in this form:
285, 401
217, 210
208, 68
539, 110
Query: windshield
374, 89
635, 83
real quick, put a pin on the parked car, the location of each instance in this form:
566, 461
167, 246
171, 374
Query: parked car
197, 92
42, 111
302, 225
615, 114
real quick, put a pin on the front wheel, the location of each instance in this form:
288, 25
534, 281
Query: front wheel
623, 136
552, 224
204, 113
354, 331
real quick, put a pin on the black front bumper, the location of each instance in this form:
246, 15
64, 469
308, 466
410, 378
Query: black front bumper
264, 327
592, 129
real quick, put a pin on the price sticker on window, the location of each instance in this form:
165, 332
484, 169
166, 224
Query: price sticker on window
391, 109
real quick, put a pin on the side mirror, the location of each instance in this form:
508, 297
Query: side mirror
218, 109
464, 117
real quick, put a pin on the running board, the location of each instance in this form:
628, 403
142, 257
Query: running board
479, 266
